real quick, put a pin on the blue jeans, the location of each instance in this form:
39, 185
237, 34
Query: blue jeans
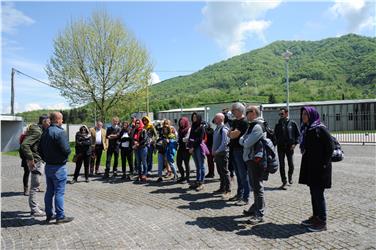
241, 173
56, 178
161, 160
141, 156
199, 159
318, 202
150, 157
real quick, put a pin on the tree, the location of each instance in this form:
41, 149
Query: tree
98, 60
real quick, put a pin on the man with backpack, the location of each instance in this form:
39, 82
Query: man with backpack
29, 151
287, 135
254, 156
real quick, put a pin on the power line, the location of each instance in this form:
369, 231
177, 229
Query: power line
35, 79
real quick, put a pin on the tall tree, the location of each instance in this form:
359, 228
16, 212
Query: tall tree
98, 60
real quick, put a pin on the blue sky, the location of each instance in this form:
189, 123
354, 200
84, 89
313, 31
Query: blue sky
181, 37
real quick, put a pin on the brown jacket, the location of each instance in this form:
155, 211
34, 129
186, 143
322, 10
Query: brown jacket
104, 139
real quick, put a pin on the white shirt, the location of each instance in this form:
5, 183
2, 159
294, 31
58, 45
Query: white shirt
98, 137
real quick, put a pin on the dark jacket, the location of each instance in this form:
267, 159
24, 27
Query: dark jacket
113, 143
316, 166
142, 140
126, 139
54, 146
83, 144
286, 132
30, 145
196, 136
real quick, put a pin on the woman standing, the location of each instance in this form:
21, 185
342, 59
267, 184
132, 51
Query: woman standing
141, 151
183, 152
83, 153
316, 167
126, 151
166, 146
197, 148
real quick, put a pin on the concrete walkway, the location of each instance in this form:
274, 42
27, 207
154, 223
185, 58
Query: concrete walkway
128, 215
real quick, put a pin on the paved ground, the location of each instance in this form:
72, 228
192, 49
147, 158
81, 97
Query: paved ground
169, 216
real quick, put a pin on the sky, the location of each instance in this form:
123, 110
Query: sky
181, 37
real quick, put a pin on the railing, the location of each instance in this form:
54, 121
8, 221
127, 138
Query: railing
355, 137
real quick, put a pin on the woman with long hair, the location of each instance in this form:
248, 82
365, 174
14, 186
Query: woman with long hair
83, 153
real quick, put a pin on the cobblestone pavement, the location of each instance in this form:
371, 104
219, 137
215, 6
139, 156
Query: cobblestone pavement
168, 216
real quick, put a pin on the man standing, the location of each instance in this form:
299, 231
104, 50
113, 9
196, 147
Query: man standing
112, 135
254, 157
238, 128
99, 143
287, 134
54, 148
220, 154
29, 151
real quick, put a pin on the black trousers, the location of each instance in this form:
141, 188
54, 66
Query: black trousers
285, 150
96, 160
26, 174
183, 155
112, 151
86, 160
221, 161
126, 155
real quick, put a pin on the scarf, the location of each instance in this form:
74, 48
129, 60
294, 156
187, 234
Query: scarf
137, 132
313, 123
183, 129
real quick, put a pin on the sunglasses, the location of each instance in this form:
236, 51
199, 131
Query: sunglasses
281, 114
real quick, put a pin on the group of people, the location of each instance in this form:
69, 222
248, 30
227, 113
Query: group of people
237, 146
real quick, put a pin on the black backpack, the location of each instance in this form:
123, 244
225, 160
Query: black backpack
269, 132
338, 153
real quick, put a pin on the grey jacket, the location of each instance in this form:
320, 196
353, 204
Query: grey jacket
220, 140
253, 134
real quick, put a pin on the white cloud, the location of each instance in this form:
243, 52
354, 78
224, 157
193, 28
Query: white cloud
32, 106
357, 14
154, 78
12, 18
231, 23
57, 106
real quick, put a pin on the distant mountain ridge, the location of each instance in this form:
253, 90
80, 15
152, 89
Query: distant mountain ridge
329, 69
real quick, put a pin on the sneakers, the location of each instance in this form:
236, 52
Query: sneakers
235, 198
50, 218
248, 213
283, 187
241, 203
38, 213
193, 185
181, 180
209, 176
318, 226
73, 181
308, 222
219, 191
255, 220
200, 187
26, 191
64, 220
226, 195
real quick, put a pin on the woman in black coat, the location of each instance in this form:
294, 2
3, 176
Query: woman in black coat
316, 167
83, 152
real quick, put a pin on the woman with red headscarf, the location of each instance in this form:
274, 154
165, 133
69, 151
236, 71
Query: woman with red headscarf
141, 151
316, 168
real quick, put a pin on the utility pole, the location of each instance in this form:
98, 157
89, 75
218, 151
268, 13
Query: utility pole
12, 92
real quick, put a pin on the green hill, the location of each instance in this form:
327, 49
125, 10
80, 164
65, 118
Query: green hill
328, 69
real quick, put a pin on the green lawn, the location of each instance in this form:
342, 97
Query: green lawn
103, 160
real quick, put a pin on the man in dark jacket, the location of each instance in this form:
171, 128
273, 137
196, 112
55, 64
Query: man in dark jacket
54, 149
287, 134
29, 151
112, 135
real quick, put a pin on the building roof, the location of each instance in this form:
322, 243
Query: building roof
184, 110
10, 118
318, 103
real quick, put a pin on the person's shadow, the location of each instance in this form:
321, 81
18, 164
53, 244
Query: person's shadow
239, 224
274, 231
19, 219
10, 194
